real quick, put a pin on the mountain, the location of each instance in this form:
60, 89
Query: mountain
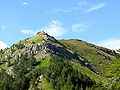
44, 63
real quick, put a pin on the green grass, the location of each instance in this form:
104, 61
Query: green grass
102, 75
98, 62
45, 85
96, 77
44, 63
39, 40
22, 42
4, 66
2, 54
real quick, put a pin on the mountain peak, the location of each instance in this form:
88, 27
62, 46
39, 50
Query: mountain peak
44, 35
44, 56
41, 33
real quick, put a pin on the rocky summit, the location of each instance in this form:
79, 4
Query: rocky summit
44, 63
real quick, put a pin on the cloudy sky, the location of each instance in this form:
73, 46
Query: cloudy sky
95, 21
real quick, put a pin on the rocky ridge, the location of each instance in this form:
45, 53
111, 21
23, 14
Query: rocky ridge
46, 58
41, 46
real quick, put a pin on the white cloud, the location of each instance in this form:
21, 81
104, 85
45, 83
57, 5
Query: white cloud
68, 10
54, 28
29, 32
96, 7
78, 6
112, 43
80, 27
82, 3
60, 10
25, 3
3, 45
3, 27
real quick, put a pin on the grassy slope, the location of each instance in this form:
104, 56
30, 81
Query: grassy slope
16, 51
96, 77
88, 54
44, 85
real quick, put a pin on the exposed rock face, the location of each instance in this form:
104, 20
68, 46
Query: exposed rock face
52, 46
104, 56
49, 45
9, 71
60, 51
111, 52
41, 33
43, 45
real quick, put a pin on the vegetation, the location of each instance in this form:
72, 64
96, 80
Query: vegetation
93, 56
35, 65
38, 40
62, 76
59, 74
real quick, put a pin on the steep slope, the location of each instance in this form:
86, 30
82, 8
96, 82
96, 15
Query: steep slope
41, 46
104, 62
42, 62
95, 56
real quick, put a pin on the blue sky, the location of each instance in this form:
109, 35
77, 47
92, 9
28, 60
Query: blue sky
95, 21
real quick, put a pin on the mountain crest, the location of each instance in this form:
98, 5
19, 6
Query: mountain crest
41, 45
74, 61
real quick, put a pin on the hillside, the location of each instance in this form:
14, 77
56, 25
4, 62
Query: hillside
44, 63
